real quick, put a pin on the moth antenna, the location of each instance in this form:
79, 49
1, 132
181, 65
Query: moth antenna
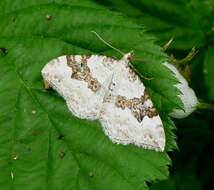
108, 44
138, 59
133, 68
122, 53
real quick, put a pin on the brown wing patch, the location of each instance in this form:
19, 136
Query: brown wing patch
137, 106
80, 71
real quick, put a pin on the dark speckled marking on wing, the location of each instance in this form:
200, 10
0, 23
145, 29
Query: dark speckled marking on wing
81, 71
136, 105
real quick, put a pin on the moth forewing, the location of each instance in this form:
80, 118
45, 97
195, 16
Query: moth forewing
79, 82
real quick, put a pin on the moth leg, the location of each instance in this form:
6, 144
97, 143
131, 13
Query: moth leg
47, 85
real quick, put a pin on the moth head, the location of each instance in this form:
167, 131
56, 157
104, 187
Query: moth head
127, 56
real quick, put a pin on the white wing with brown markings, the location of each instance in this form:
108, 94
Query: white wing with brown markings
81, 81
100, 87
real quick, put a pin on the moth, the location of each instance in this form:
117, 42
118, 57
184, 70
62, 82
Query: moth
100, 87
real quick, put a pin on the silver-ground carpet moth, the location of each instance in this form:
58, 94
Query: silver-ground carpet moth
101, 87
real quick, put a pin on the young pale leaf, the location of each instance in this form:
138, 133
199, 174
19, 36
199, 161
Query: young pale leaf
187, 96
43, 146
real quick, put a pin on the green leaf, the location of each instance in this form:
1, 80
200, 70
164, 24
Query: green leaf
209, 71
187, 22
43, 146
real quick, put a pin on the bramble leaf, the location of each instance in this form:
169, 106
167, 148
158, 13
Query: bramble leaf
43, 146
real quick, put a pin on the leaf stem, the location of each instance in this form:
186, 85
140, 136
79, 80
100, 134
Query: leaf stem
165, 47
205, 106
188, 58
